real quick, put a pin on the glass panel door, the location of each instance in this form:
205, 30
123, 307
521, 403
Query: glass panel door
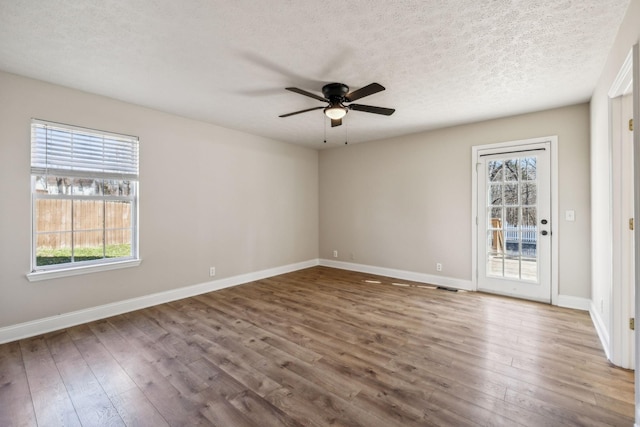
514, 230
512, 233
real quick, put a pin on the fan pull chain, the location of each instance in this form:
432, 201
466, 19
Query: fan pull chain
324, 122
346, 132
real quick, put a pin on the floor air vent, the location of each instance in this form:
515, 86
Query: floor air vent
412, 285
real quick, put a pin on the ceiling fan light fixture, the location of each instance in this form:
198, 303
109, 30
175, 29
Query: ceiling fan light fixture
335, 112
336, 94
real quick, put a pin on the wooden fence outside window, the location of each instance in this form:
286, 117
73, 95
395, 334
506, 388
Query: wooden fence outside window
95, 222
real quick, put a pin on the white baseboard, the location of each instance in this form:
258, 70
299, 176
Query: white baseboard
578, 303
598, 323
66, 320
448, 282
566, 301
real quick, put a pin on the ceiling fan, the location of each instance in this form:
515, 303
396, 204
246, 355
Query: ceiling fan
336, 94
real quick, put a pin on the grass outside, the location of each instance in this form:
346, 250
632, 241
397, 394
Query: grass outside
49, 256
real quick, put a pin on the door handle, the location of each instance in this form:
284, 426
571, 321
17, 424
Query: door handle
544, 232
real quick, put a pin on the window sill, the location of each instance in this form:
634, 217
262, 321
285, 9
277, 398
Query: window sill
76, 271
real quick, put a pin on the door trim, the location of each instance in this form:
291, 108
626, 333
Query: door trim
553, 169
636, 210
618, 344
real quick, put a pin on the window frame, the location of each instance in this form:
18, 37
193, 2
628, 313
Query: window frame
73, 267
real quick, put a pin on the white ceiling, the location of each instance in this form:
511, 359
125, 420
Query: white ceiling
443, 62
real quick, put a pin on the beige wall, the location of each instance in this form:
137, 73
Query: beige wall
217, 197
405, 203
628, 35
209, 196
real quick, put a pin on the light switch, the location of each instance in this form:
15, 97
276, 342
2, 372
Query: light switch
570, 215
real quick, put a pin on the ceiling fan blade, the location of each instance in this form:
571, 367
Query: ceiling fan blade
309, 94
372, 109
336, 122
364, 91
301, 111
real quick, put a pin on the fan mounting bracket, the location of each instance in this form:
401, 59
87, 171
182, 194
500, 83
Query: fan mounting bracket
335, 92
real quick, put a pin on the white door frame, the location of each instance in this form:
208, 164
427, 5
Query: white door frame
553, 169
636, 180
619, 351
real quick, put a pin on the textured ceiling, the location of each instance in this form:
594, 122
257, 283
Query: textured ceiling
443, 62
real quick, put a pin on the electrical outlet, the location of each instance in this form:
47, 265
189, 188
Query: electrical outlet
438, 266
212, 271
335, 254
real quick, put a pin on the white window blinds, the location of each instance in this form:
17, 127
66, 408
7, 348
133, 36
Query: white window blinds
58, 149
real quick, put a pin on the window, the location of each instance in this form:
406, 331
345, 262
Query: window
84, 199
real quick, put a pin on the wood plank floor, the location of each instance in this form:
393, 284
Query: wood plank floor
320, 347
